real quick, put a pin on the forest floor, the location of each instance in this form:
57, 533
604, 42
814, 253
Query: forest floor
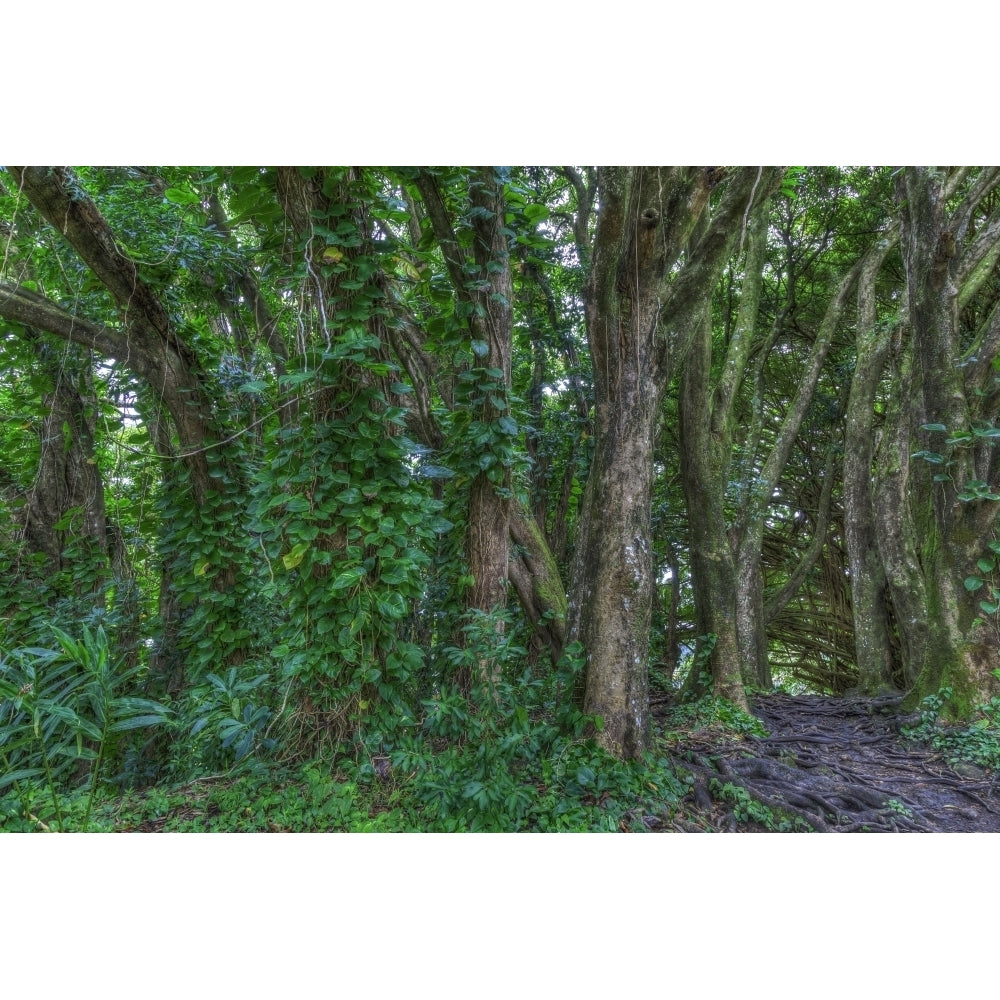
830, 765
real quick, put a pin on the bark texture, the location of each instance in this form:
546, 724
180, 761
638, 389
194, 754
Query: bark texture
945, 261
648, 284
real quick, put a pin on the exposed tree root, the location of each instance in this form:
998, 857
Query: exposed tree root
832, 764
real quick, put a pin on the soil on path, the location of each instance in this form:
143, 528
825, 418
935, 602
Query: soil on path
833, 765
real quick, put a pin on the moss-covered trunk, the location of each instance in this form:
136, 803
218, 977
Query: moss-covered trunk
703, 473
947, 423
650, 279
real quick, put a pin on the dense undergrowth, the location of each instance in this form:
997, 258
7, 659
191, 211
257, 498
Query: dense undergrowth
77, 755
80, 751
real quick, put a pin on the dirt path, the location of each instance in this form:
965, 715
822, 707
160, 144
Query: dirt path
834, 764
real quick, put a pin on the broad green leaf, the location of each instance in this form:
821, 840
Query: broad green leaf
180, 197
292, 558
349, 578
429, 471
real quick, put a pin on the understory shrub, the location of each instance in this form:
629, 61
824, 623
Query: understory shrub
977, 743
513, 757
63, 723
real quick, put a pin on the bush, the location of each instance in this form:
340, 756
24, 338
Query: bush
61, 722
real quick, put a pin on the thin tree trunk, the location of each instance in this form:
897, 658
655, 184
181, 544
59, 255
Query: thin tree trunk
713, 574
750, 533
875, 651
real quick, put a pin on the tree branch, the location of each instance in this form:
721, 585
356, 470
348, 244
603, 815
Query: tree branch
30, 309
59, 198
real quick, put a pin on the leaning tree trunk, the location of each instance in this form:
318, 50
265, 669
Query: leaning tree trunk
708, 422
751, 621
148, 344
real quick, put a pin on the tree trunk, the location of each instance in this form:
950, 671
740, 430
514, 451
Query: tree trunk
953, 519
875, 652
64, 518
535, 576
482, 282
708, 421
149, 346
642, 303
704, 474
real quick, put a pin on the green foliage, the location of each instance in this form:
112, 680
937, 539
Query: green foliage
500, 760
230, 725
986, 579
747, 809
978, 743
62, 717
308, 601
346, 528
706, 712
694, 673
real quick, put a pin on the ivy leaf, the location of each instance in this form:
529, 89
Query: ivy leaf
409, 269
296, 555
480, 348
181, 197
973, 583
348, 578
426, 471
